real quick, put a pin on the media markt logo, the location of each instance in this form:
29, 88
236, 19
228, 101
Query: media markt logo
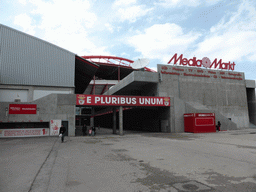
167, 101
206, 62
81, 99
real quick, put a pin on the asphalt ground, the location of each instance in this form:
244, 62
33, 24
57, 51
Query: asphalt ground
135, 162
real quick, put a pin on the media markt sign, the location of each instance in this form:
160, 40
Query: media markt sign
206, 62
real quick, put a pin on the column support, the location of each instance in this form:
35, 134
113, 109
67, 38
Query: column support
121, 121
92, 118
114, 120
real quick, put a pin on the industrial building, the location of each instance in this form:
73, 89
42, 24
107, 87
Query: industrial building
43, 85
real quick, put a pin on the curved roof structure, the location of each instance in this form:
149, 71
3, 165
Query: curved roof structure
112, 67
84, 72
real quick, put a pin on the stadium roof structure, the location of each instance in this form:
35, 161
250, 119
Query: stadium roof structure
84, 73
112, 67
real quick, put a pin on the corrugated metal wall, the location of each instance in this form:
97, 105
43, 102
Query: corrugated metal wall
26, 60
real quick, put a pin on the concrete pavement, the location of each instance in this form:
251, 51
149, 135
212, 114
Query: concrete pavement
21, 160
223, 161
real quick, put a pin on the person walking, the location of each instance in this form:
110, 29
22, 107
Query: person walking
218, 126
93, 131
90, 131
62, 131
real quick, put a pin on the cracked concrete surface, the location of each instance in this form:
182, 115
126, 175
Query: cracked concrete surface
223, 161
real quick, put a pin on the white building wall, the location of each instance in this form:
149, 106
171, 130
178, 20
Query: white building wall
42, 93
27, 60
9, 95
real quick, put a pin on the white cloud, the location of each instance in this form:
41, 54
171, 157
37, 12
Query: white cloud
234, 39
178, 3
24, 21
190, 3
129, 10
109, 27
162, 40
69, 13
124, 2
78, 43
132, 13
124, 54
63, 23
24, 2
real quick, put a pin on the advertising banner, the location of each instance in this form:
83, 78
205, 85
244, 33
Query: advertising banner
199, 122
115, 100
22, 108
204, 121
55, 126
188, 72
24, 132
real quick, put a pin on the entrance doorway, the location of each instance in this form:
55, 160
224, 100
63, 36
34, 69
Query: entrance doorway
137, 113
65, 124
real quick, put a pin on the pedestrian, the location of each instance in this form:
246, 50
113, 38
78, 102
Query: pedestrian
84, 129
218, 126
62, 131
93, 131
90, 131
99, 127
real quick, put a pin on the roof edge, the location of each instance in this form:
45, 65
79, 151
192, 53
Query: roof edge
37, 38
87, 62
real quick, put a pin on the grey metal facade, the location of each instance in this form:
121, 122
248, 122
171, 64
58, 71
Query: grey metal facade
26, 60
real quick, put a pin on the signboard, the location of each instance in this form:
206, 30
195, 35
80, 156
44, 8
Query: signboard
204, 121
55, 127
24, 132
199, 122
114, 100
200, 73
206, 62
22, 108
204, 115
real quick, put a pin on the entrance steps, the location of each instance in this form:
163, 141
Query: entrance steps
226, 124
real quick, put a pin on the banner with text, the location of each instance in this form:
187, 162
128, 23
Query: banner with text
115, 100
55, 126
22, 108
24, 132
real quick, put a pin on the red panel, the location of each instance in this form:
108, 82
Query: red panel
22, 108
114, 100
189, 122
199, 122
204, 121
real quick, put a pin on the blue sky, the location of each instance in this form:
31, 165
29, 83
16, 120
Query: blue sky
133, 29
